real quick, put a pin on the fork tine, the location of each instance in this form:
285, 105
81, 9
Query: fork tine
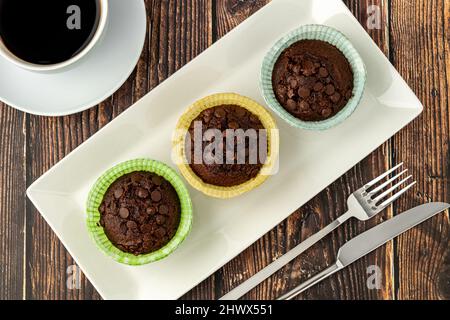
384, 175
381, 187
396, 196
385, 193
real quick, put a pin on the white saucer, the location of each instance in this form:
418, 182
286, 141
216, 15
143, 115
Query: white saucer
88, 82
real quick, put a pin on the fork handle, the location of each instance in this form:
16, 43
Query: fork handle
269, 270
311, 282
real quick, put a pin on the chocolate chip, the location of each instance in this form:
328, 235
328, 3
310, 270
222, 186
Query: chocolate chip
318, 86
147, 184
131, 224
326, 112
135, 178
147, 237
208, 112
336, 97
160, 219
293, 83
329, 90
291, 93
163, 209
118, 193
302, 80
220, 113
304, 106
240, 112
124, 213
156, 180
323, 72
146, 228
280, 91
296, 69
233, 125
291, 104
160, 232
206, 119
304, 92
156, 196
142, 193
309, 68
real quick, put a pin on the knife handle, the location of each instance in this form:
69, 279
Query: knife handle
276, 265
311, 282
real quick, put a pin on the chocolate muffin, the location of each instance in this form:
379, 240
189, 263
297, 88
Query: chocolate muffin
243, 166
140, 212
312, 80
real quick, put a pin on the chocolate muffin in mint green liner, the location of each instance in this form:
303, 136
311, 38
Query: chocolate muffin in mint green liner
139, 212
313, 77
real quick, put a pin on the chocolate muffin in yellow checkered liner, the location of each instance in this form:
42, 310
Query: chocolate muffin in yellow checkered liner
221, 101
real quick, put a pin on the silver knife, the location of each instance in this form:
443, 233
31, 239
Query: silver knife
370, 240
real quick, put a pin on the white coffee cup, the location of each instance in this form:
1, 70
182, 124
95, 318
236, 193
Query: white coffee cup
102, 22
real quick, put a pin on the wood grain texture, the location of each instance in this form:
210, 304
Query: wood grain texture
316, 214
420, 51
12, 202
414, 35
185, 31
351, 282
171, 23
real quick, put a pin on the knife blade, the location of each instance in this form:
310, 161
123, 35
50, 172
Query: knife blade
386, 231
372, 239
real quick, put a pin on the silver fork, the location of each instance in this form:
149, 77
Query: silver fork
363, 204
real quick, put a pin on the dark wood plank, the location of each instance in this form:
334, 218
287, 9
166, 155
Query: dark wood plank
181, 31
178, 31
420, 51
351, 282
51, 139
316, 214
230, 13
12, 202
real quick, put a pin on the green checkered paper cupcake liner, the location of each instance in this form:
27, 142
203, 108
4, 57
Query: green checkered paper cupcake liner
333, 37
96, 197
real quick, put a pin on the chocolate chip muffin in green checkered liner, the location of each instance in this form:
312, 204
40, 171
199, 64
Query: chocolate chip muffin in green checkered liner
100, 190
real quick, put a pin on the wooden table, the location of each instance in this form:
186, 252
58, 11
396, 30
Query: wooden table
414, 35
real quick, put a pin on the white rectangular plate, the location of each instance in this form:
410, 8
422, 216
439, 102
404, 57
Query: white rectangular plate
309, 161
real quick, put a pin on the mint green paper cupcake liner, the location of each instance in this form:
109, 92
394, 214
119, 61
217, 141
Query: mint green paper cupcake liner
333, 37
96, 197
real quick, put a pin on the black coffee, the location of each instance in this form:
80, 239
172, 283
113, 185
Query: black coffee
47, 31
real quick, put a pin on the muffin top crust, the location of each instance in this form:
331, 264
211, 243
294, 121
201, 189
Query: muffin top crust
242, 157
312, 80
140, 212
